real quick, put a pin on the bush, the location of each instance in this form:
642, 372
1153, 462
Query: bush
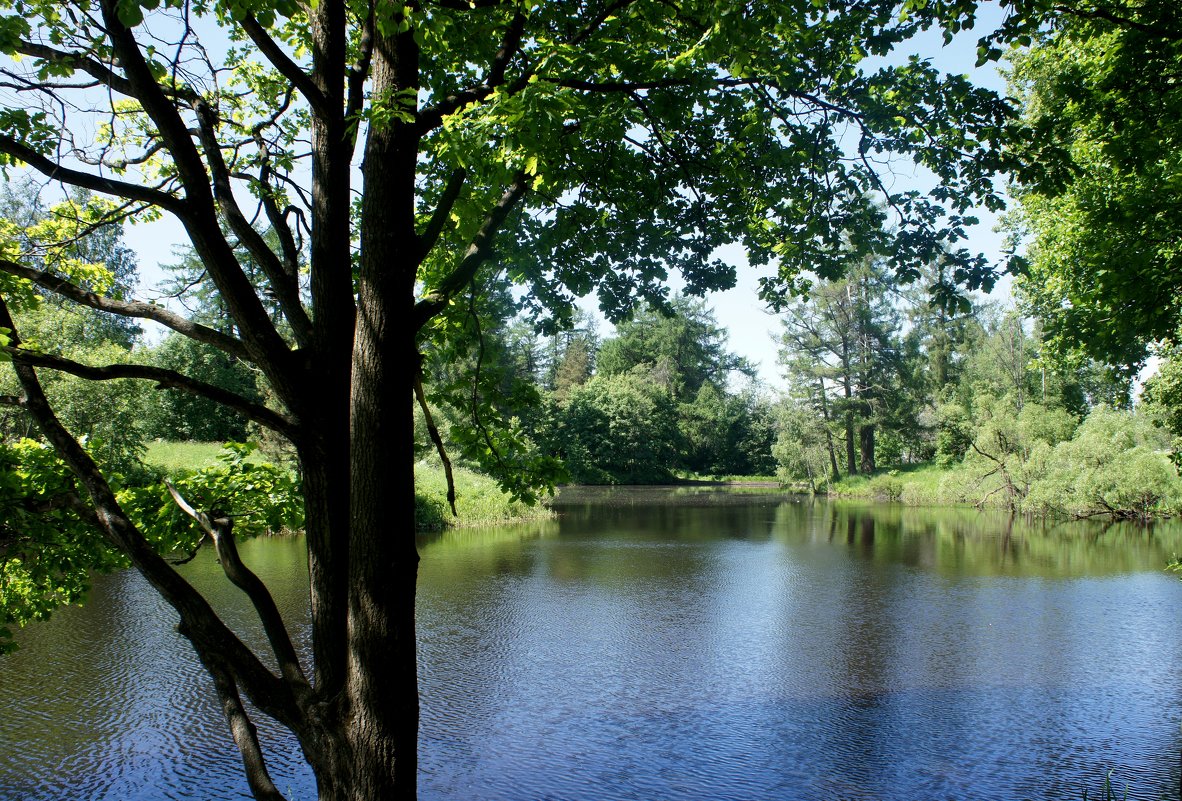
887, 486
1117, 464
620, 429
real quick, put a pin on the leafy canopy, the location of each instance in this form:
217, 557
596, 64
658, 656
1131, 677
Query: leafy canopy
1101, 207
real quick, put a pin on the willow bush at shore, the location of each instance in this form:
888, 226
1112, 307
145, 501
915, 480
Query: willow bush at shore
1036, 460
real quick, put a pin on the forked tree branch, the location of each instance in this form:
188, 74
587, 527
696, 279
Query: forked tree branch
199, 623
276, 217
96, 69
129, 308
220, 527
282, 283
200, 219
168, 379
79, 61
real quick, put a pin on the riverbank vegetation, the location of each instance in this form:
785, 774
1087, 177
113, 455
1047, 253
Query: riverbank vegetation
889, 397
518, 156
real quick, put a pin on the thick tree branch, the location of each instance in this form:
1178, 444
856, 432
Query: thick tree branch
199, 623
286, 67
443, 208
163, 378
129, 308
220, 527
478, 251
432, 117
359, 72
108, 186
243, 730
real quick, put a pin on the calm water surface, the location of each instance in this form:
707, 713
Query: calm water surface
676, 644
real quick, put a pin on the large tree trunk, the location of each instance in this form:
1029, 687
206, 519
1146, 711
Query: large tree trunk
848, 390
380, 710
835, 474
866, 445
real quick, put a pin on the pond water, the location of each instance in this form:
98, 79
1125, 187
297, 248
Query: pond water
676, 644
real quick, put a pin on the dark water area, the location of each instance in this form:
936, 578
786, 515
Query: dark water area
675, 644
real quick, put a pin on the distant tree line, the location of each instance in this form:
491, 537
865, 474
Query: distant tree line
878, 376
662, 395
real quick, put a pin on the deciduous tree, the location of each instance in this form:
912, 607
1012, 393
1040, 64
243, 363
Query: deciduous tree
1101, 203
593, 146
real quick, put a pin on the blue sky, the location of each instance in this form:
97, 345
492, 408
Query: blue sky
753, 330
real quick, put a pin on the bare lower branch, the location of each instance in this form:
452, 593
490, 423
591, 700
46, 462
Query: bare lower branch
139, 309
108, 186
433, 431
243, 730
220, 528
168, 379
191, 555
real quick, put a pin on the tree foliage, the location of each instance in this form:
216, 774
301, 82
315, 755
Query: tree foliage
588, 146
620, 429
1103, 110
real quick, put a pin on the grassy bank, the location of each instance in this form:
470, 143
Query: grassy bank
173, 456
479, 501
917, 485
1144, 487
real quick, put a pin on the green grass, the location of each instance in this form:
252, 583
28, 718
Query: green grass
917, 484
173, 456
479, 501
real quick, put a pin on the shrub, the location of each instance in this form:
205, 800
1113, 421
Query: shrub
620, 429
1117, 464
